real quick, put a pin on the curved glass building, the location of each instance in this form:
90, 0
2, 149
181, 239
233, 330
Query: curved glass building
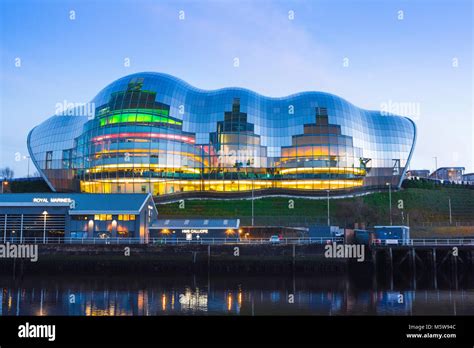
152, 132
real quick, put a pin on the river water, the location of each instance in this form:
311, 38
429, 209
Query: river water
236, 295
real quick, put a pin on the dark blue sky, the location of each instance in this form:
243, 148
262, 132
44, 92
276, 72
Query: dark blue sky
389, 61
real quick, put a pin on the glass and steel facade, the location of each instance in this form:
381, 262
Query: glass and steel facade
152, 132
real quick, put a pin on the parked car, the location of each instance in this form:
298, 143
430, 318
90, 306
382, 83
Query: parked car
274, 239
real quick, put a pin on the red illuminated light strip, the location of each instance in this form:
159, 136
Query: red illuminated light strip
145, 135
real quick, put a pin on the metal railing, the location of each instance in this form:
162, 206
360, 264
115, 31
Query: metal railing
466, 223
442, 241
424, 242
174, 241
247, 241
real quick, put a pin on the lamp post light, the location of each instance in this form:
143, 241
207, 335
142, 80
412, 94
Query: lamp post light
450, 214
28, 159
252, 202
390, 200
329, 220
4, 182
45, 213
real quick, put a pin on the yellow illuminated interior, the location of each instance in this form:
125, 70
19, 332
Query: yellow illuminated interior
317, 170
162, 186
148, 166
147, 152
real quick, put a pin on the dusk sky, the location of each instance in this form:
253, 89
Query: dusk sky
413, 53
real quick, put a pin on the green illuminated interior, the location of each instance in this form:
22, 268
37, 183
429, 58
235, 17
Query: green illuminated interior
148, 111
139, 115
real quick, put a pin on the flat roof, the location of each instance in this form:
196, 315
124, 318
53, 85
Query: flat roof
450, 168
209, 224
85, 203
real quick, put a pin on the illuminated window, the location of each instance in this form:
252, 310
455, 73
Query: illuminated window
103, 217
148, 117
126, 217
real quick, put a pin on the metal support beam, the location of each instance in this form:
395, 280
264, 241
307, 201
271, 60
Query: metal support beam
374, 273
21, 229
435, 269
390, 257
455, 270
208, 256
5, 230
294, 255
413, 264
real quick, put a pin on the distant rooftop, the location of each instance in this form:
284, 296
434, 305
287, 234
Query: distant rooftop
451, 168
31, 178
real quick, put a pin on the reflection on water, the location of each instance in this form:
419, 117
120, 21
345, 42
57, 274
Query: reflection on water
236, 295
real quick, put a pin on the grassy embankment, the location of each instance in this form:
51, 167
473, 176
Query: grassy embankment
421, 206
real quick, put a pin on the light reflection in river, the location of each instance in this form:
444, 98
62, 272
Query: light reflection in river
234, 295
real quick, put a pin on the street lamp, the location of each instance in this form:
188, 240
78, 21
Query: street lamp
4, 182
28, 158
252, 202
450, 215
390, 200
329, 221
45, 213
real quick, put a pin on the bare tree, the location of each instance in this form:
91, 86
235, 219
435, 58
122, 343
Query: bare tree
7, 173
